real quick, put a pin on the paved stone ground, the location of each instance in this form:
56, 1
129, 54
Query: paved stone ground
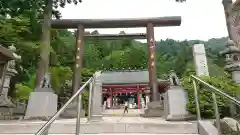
118, 112
105, 134
112, 125
115, 119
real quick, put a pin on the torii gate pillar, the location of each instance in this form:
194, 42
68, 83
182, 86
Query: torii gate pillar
152, 63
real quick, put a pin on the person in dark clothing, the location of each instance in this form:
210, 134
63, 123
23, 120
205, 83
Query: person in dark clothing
126, 108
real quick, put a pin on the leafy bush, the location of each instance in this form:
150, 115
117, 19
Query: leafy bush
59, 78
61, 82
205, 95
85, 100
22, 92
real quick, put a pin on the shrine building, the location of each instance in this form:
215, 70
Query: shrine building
129, 86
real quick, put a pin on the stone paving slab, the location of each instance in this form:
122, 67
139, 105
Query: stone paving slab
116, 119
107, 125
94, 128
106, 134
119, 112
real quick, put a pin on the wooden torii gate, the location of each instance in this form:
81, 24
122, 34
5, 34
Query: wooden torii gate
149, 23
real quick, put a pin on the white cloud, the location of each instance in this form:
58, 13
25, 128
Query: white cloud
201, 19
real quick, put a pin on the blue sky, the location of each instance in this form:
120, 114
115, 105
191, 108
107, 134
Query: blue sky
201, 19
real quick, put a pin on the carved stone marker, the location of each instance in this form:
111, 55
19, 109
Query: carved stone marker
42, 103
175, 100
200, 60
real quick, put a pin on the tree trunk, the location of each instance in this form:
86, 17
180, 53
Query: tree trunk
43, 63
227, 4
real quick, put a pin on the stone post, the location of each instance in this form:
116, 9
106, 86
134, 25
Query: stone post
96, 99
200, 60
175, 100
42, 103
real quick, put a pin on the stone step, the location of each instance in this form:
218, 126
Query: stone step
103, 127
107, 134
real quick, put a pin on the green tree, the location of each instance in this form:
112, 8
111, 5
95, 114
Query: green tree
43, 64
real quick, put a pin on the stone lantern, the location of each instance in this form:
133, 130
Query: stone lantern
7, 66
232, 54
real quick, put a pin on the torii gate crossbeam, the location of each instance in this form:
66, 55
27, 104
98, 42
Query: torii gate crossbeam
116, 23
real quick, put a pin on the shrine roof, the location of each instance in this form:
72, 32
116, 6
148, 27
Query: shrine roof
126, 77
116, 23
6, 52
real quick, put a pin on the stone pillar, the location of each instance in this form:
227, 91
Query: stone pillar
70, 111
96, 106
200, 60
42, 103
175, 100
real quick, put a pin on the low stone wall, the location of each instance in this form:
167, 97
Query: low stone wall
15, 113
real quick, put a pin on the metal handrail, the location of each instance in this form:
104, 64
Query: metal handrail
54, 117
218, 91
214, 90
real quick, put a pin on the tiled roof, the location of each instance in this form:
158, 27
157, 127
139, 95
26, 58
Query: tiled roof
125, 77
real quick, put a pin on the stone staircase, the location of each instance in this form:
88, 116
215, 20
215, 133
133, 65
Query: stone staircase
109, 125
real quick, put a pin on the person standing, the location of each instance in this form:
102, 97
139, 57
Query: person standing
126, 107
